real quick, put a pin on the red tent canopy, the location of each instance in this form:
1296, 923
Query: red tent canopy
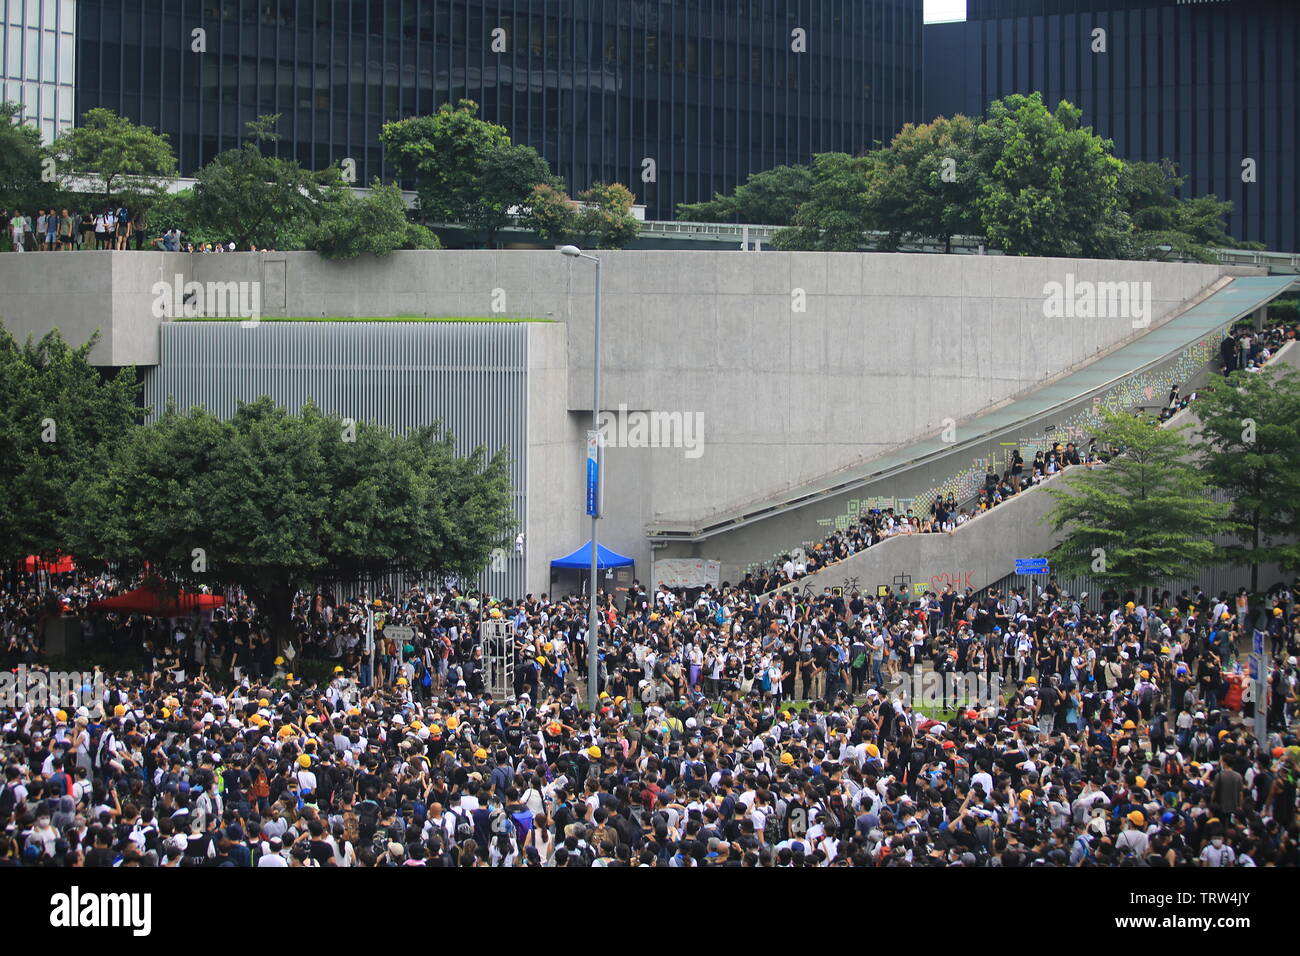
60, 565
152, 600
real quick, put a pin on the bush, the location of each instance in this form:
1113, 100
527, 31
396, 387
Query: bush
377, 224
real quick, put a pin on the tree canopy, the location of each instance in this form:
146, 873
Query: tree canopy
1025, 179
110, 157
377, 224
1144, 516
275, 502
1250, 449
23, 182
59, 419
252, 198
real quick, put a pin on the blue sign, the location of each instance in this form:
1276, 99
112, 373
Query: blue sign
593, 474
1032, 566
1259, 642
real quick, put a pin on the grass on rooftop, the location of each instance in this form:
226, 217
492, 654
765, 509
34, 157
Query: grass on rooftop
361, 318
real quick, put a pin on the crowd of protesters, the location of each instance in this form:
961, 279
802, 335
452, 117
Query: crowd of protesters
112, 227
63, 230
1243, 348
732, 730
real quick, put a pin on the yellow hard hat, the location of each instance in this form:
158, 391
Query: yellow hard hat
165, 712
279, 661
480, 754
1130, 604
304, 761
1222, 734
401, 682
311, 719
453, 722
787, 758
1026, 794
354, 711
1146, 674
1137, 818
435, 730
1140, 781
593, 752
619, 700
338, 668
263, 703
1224, 616
495, 613
61, 715
1277, 612
604, 695
1031, 680
873, 750
119, 710
548, 647
1129, 725
285, 731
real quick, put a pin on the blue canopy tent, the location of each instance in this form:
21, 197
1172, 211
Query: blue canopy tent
581, 558
570, 573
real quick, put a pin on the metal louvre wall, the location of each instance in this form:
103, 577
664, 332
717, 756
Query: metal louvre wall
472, 376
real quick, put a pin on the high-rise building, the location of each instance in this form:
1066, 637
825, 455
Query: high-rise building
38, 61
1209, 84
678, 99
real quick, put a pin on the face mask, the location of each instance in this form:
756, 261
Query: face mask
1218, 842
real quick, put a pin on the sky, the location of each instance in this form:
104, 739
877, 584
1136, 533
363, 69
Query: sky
936, 10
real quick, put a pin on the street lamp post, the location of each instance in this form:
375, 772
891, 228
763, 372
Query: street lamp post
593, 620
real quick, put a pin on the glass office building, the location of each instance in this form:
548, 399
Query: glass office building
1209, 84
38, 61
676, 98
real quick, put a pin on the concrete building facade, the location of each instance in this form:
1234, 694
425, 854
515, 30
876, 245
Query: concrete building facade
801, 364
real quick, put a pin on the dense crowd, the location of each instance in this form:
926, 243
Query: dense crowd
732, 730
1243, 348
112, 227
61, 230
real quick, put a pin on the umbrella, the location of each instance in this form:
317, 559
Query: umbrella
60, 565
152, 600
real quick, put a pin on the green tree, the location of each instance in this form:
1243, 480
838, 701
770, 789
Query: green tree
113, 159
606, 218
923, 186
834, 218
506, 182
551, 213
1048, 186
1166, 227
1144, 516
22, 163
250, 198
276, 502
1250, 449
770, 198
445, 155
59, 419
377, 225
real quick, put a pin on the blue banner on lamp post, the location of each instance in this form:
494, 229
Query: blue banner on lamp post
593, 474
